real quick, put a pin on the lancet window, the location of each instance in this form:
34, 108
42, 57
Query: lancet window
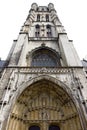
49, 32
38, 17
37, 32
47, 18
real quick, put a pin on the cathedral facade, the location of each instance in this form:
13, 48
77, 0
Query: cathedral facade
42, 84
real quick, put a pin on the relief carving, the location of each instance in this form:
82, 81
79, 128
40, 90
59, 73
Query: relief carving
44, 114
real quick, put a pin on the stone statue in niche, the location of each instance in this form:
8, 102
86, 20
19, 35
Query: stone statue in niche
44, 115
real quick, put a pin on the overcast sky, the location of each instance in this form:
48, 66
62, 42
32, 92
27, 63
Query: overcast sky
72, 14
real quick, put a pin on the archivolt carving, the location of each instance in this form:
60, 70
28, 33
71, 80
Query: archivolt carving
43, 98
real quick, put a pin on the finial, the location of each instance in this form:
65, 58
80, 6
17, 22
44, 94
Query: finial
34, 6
51, 6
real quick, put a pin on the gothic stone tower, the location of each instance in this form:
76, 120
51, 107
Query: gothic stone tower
43, 85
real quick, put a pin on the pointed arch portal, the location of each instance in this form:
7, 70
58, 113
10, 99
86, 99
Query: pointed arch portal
44, 105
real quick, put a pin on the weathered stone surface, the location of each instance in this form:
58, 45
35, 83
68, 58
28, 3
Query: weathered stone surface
44, 83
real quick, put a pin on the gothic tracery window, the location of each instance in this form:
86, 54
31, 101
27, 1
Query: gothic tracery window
44, 58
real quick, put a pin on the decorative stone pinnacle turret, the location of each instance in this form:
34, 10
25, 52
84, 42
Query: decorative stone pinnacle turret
34, 6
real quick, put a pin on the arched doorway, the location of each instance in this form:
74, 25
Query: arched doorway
34, 127
44, 103
54, 127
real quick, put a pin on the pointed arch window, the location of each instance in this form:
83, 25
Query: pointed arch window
45, 58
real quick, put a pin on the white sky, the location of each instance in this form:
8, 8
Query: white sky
72, 14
